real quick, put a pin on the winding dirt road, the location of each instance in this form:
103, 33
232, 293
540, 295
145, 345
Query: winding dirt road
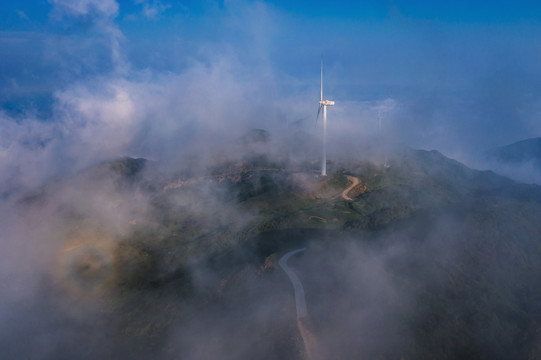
300, 300
354, 182
303, 322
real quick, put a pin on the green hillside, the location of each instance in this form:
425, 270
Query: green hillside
196, 256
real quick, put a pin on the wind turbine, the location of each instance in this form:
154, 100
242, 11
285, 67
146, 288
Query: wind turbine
323, 104
385, 164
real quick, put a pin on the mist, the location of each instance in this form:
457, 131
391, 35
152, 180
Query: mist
150, 152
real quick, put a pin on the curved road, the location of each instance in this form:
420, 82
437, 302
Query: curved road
354, 181
303, 322
300, 300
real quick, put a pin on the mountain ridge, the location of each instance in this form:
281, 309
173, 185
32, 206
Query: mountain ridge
182, 245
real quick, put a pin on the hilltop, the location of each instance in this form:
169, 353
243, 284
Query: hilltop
195, 252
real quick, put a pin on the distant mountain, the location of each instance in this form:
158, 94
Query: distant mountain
528, 150
520, 161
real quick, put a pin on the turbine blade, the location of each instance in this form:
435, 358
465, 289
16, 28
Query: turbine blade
321, 93
318, 111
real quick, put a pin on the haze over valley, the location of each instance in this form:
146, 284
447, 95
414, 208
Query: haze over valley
162, 196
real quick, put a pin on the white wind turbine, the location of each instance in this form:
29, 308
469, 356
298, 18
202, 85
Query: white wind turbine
323, 104
385, 164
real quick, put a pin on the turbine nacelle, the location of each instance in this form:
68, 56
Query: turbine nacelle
326, 103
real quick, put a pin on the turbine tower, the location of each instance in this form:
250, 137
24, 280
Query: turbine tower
323, 104
385, 163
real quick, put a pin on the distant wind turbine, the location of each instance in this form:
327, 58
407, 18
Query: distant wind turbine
385, 164
323, 104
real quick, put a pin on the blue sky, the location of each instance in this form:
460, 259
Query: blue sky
460, 76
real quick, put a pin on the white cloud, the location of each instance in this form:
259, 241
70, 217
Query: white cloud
108, 8
22, 15
153, 8
101, 14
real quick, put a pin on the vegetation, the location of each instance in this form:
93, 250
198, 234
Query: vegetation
235, 222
